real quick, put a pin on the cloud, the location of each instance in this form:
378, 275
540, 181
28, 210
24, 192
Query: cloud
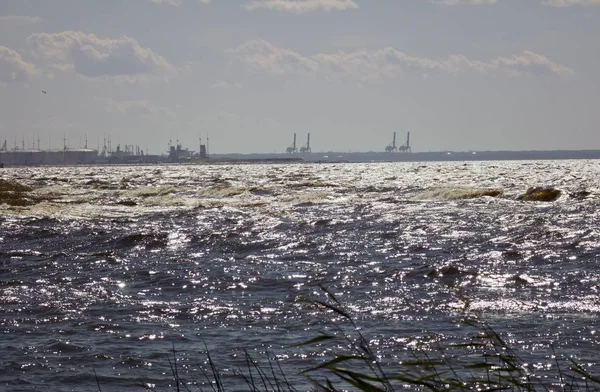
387, 63
93, 57
222, 84
301, 6
529, 63
263, 55
13, 68
568, 3
19, 20
137, 108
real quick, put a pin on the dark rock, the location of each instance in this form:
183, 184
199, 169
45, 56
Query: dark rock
541, 194
579, 195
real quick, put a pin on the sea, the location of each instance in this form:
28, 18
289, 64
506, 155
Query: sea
166, 277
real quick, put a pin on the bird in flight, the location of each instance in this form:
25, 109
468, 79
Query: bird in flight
43, 91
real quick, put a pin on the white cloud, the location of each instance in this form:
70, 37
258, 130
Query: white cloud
13, 68
387, 63
301, 6
261, 54
222, 84
19, 20
137, 108
568, 3
529, 63
92, 57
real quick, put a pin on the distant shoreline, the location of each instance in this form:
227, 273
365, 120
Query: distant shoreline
438, 156
331, 157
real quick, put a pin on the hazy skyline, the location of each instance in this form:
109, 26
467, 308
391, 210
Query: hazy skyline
459, 74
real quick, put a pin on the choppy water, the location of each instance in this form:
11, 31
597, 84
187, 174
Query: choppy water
122, 263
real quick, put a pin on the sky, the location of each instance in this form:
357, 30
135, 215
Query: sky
460, 75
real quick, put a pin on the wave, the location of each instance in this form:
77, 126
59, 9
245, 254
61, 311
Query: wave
233, 204
154, 191
313, 184
222, 191
458, 193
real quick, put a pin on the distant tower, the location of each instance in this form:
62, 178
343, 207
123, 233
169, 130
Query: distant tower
202, 151
406, 147
306, 148
292, 149
392, 147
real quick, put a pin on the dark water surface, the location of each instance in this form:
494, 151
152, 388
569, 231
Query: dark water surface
116, 265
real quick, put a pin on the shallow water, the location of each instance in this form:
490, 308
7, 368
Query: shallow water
117, 265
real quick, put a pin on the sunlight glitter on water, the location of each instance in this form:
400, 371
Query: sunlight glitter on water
230, 249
